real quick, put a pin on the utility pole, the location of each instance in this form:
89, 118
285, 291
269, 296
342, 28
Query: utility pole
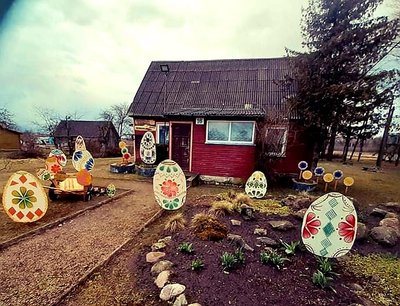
385, 137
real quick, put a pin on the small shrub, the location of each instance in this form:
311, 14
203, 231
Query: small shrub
272, 258
228, 261
197, 264
186, 247
239, 256
175, 223
325, 265
321, 280
221, 208
271, 207
208, 227
290, 248
241, 198
265, 257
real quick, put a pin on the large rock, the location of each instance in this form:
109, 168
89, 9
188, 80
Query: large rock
180, 300
282, 225
158, 246
170, 291
391, 222
378, 212
392, 205
194, 304
391, 215
162, 278
385, 235
166, 240
297, 202
362, 231
247, 212
268, 241
160, 266
239, 241
154, 256
300, 213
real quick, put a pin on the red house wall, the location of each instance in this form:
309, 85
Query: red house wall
220, 160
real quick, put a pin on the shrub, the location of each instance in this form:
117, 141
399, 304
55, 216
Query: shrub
176, 222
186, 247
239, 256
272, 258
197, 264
265, 257
321, 280
228, 261
206, 226
325, 265
220, 208
290, 248
241, 198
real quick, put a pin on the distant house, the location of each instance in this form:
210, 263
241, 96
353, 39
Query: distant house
100, 137
9, 139
216, 116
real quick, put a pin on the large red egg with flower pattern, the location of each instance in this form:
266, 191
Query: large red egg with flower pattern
330, 226
24, 199
169, 185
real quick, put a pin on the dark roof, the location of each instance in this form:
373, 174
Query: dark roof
87, 129
239, 87
4, 127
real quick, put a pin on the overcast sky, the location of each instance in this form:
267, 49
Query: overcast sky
86, 55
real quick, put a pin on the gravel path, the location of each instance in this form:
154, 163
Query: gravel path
37, 270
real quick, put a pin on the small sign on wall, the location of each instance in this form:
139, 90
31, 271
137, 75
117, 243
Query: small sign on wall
200, 121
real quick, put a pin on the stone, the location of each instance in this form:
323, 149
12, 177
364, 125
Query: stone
166, 240
356, 287
194, 304
393, 223
240, 242
282, 225
391, 215
180, 300
162, 278
160, 266
384, 235
158, 246
260, 231
378, 212
247, 212
392, 205
268, 241
236, 222
170, 291
362, 231
154, 256
300, 213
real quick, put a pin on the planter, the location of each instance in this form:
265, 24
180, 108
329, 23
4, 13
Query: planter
304, 186
122, 168
146, 170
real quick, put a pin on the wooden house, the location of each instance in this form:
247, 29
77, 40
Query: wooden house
10, 140
217, 117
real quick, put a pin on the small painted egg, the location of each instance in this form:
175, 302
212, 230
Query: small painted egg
24, 199
329, 226
148, 149
52, 165
82, 160
256, 185
80, 143
169, 185
111, 190
61, 158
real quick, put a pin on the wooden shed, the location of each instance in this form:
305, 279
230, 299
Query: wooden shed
9, 139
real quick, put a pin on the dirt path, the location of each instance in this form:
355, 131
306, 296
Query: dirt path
37, 270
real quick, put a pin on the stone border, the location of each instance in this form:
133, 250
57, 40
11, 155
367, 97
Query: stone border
12, 241
96, 268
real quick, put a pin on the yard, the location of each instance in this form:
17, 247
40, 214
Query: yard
126, 279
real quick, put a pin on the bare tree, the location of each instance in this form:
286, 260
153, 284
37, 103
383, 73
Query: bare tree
48, 119
7, 118
118, 114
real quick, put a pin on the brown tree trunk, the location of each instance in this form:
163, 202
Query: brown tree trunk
384, 137
346, 148
332, 139
361, 149
354, 149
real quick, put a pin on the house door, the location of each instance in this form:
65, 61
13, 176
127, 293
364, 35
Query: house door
180, 140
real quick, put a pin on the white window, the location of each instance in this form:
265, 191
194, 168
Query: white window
276, 140
162, 136
230, 132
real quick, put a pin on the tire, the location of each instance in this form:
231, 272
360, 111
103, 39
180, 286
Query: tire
88, 194
52, 193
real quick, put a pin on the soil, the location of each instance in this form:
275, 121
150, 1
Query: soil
252, 283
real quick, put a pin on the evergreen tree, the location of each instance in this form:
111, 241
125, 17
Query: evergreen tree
343, 42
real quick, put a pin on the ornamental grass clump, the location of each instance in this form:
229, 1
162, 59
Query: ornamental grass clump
272, 258
221, 208
228, 261
175, 223
321, 280
271, 207
186, 248
241, 199
290, 248
208, 227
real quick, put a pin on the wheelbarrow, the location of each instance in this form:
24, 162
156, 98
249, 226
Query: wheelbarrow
67, 184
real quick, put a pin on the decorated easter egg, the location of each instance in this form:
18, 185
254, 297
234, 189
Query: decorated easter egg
111, 190
82, 160
329, 226
169, 185
148, 148
256, 185
52, 165
44, 174
84, 177
61, 158
80, 143
24, 199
